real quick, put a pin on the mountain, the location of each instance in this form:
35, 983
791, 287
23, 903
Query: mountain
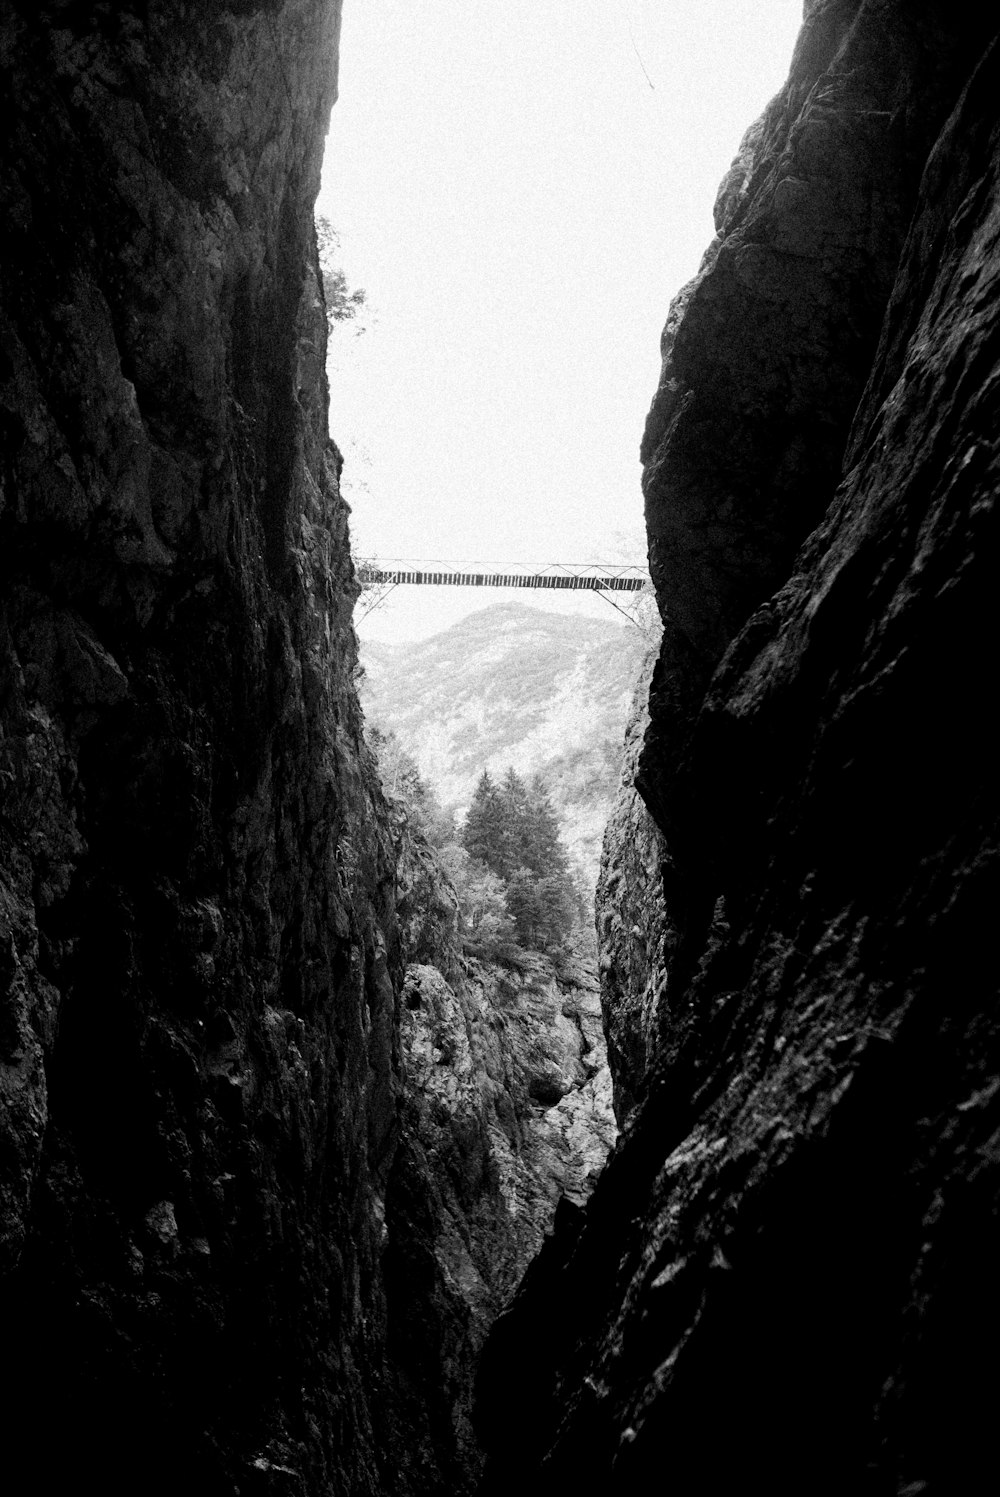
514, 685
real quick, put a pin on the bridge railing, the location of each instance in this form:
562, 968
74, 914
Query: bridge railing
591, 577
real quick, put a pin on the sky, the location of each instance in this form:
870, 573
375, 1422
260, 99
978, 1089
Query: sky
521, 186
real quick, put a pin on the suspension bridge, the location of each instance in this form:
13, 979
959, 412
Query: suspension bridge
379, 578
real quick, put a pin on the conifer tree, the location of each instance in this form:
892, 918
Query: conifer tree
512, 830
513, 826
542, 849
482, 832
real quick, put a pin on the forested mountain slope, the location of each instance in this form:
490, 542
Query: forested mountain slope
514, 686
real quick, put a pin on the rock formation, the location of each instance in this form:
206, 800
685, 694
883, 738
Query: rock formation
198, 945
785, 1280
505, 1114
634, 934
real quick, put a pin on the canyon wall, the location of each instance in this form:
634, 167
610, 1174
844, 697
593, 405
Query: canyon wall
505, 1119
198, 966
256, 1180
634, 935
785, 1279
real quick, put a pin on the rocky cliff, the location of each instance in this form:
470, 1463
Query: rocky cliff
785, 1280
505, 1119
635, 935
197, 943
256, 1183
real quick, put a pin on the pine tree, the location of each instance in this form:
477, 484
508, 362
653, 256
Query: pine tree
482, 833
513, 825
542, 850
511, 829
526, 904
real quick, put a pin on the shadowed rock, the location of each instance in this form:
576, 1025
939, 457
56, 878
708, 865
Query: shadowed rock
784, 1280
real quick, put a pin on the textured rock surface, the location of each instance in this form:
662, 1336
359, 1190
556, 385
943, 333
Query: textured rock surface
785, 1280
506, 1112
765, 353
244, 1233
635, 937
197, 1043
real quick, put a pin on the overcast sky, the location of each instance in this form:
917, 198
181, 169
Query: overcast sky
520, 206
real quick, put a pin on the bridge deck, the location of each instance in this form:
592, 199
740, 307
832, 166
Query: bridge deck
574, 581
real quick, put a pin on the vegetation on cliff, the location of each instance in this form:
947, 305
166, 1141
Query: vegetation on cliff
505, 1102
342, 303
506, 859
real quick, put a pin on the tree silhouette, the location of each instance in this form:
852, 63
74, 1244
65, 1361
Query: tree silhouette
342, 304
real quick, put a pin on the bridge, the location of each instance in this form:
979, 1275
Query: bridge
379, 578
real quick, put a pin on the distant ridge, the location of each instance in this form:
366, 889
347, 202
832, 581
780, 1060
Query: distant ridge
512, 684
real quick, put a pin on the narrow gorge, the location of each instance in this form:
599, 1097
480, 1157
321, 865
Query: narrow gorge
297, 1197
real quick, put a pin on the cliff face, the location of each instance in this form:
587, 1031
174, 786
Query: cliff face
785, 1278
251, 1240
197, 1040
506, 1113
766, 352
635, 935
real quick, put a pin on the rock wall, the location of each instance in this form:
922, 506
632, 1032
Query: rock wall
197, 945
766, 352
506, 1119
785, 1278
635, 935
246, 1233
